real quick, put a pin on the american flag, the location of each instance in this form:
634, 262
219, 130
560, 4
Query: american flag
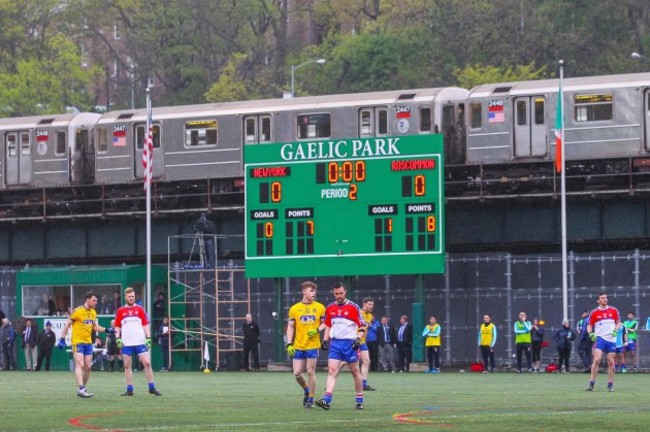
147, 153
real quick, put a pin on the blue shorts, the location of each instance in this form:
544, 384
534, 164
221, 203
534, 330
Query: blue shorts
305, 354
620, 350
341, 349
605, 346
137, 349
363, 347
631, 346
83, 348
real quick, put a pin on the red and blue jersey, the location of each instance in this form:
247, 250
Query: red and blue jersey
343, 320
604, 321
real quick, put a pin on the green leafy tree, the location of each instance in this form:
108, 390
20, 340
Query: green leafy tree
48, 84
474, 75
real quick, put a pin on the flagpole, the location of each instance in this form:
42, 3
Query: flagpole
565, 290
147, 180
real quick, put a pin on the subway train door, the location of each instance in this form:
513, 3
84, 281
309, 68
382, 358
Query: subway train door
82, 159
158, 157
530, 131
373, 121
18, 151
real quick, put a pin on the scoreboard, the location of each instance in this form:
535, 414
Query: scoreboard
367, 206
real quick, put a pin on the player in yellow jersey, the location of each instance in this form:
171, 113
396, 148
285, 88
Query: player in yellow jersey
83, 321
367, 305
306, 321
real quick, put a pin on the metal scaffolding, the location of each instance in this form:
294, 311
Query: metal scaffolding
207, 304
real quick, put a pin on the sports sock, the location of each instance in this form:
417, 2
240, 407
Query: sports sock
610, 384
306, 389
328, 397
152, 386
82, 387
365, 383
129, 388
591, 383
359, 398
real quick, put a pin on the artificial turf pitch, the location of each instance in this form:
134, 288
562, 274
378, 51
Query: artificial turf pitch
272, 401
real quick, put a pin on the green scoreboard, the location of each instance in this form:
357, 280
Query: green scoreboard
368, 206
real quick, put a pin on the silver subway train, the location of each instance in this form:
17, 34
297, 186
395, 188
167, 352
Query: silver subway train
492, 133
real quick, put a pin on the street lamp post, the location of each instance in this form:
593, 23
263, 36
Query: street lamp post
295, 68
640, 57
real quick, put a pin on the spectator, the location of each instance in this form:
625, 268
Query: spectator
46, 306
158, 310
8, 335
564, 337
117, 301
432, 344
404, 343
163, 339
632, 326
585, 343
30, 344
387, 342
106, 306
523, 340
112, 351
251, 342
46, 340
621, 345
537, 337
487, 337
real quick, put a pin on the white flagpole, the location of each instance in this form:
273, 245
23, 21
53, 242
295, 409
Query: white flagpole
565, 290
148, 198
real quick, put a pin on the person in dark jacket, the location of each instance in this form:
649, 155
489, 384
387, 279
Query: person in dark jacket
404, 344
537, 337
564, 337
585, 345
46, 340
387, 341
8, 336
251, 341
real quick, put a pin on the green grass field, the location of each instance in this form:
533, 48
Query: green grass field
272, 401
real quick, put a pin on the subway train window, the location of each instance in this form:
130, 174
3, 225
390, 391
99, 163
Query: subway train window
594, 107
139, 136
314, 126
539, 110
475, 115
11, 145
102, 140
522, 113
251, 131
265, 134
201, 133
60, 143
425, 119
382, 122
